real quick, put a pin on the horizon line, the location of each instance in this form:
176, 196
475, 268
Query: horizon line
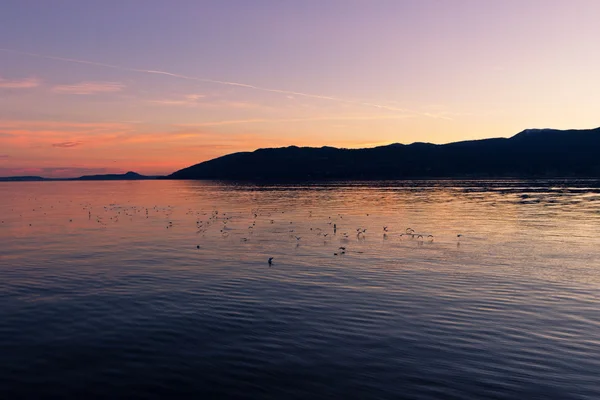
280, 147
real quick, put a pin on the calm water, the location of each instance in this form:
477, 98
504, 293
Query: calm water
104, 293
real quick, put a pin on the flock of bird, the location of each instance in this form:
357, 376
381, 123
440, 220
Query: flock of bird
202, 226
223, 223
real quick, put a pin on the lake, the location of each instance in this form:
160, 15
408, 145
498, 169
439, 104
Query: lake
157, 289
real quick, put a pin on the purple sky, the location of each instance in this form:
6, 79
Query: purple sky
238, 75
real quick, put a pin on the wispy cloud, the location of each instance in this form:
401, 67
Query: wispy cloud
89, 88
66, 144
19, 83
220, 82
61, 134
173, 102
62, 125
195, 96
130, 146
4, 156
310, 119
199, 101
188, 100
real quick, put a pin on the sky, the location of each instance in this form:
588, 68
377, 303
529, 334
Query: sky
153, 86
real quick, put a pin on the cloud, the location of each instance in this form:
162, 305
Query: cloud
169, 102
4, 156
43, 145
60, 134
285, 120
61, 125
192, 101
66, 144
220, 82
188, 100
89, 88
194, 97
26, 83
290, 94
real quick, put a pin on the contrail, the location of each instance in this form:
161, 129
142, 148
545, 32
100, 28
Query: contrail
206, 80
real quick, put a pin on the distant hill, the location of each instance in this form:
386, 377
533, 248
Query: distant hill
21, 178
532, 153
129, 176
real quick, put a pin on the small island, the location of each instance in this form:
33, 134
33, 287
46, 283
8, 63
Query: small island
128, 176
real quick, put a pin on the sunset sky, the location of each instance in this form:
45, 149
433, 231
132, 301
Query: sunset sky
154, 86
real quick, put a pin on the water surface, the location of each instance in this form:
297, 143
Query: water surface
162, 288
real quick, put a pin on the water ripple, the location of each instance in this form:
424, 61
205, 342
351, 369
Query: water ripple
101, 298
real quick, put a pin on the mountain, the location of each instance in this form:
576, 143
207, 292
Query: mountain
532, 153
21, 178
129, 176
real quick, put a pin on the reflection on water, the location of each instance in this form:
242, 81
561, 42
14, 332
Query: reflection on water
160, 288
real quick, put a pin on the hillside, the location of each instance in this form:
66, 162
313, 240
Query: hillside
530, 153
129, 176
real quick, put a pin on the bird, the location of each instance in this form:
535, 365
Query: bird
270, 261
385, 228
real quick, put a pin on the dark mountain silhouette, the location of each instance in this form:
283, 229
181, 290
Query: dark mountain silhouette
532, 153
129, 176
21, 178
